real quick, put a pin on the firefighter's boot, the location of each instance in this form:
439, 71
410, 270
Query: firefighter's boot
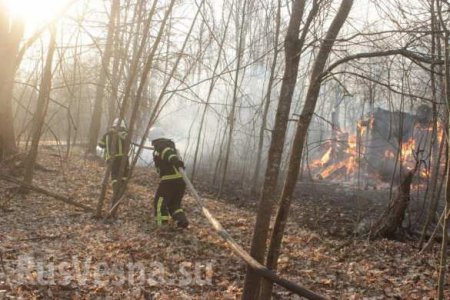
180, 218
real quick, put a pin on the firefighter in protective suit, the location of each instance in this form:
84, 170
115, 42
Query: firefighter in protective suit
113, 143
167, 202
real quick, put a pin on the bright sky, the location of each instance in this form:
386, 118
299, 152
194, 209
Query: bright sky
34, 12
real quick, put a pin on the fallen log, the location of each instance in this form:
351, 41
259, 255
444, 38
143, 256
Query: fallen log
45, 192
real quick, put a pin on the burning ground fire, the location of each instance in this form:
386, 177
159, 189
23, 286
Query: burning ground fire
339, 162
339, 159
344, 157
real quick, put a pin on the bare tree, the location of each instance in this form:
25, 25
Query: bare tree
97, 114
209, 95
268, 98
239, 55
41, 109
300, 139
443, 258
293, 49
11, 32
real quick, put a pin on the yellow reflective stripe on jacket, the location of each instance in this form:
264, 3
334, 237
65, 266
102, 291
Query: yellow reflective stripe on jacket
107, 148
164, 152
120, 148
170, 157
172, 176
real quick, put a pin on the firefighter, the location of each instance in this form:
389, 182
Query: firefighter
113, 143
167, 202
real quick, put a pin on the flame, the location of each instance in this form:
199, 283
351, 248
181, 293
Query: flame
340, 159
319, 163
326, 157
332, 168
345, 166
362, 127
425, 173
408, 149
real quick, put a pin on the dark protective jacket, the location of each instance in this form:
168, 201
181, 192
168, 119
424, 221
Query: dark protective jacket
114, 143
165, 156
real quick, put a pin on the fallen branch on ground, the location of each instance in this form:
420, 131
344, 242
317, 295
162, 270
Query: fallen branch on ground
110, 212
434, 236
45, 192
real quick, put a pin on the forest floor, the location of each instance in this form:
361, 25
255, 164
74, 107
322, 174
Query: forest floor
51, 250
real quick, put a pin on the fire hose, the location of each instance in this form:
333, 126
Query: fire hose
238, 250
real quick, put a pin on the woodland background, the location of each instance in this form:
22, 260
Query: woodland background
264, 100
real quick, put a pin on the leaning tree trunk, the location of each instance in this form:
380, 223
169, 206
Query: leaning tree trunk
293, 49
393, 217
96, 119
300, 138
41, 110
136, 105
10, 36
159, 103
127, 95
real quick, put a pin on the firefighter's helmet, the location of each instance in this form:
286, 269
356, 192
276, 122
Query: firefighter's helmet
119, 123
156, 133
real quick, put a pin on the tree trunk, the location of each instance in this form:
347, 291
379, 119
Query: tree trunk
219, 155
148, 66
393, 218
119, 60
126, 98
436, 149
256, 176
299, 139
443, 263
293, 48
443, 254
41, 110
159, 104
208, 98
232, 115
10, 36
96, 120
134, 69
